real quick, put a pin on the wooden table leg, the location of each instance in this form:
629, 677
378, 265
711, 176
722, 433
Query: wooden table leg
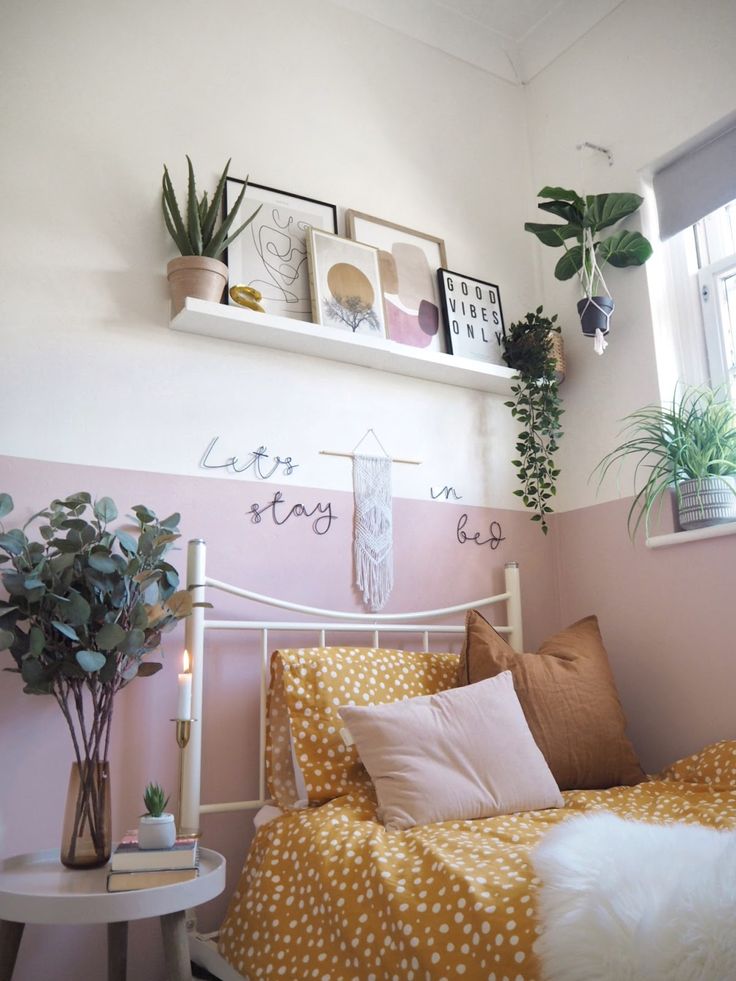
176, 947
10, 937
117, 951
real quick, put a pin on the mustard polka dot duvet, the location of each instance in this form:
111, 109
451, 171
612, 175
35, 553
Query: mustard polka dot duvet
328, 894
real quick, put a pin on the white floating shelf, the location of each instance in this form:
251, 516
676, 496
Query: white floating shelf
283, 334
697, 535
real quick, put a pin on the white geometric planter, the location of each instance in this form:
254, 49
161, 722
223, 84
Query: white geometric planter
705, 502
156, 832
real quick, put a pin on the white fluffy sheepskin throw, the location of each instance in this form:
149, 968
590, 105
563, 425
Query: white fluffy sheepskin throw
627, 901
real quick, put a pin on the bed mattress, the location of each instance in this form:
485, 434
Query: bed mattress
328, 893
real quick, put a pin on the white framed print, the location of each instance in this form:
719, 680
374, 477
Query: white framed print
473, 318
345, 284
271, 253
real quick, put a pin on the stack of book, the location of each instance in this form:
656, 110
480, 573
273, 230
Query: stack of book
132, 867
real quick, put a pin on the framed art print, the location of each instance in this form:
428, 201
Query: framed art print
345, 284
408, 261
271, 254
472, 315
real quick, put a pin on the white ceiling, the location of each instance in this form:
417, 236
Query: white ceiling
513, 39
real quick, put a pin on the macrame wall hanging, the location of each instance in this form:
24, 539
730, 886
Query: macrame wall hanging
373, 541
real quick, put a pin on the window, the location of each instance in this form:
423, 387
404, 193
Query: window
715, 244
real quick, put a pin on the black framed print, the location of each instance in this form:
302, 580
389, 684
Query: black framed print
472, 313
271, 254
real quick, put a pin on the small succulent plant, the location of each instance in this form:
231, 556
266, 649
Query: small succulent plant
197, 236
155, 798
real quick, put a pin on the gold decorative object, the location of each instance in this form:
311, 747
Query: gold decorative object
558, 353
247, 296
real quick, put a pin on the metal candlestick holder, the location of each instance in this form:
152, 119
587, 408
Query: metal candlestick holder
183, 732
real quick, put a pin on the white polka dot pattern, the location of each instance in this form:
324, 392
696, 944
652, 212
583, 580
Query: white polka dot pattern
328, 894
308, 685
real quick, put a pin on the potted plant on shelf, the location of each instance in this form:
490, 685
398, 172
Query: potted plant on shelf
583, 219
528, 348
198, 272
156, 828
688, 449
86, 604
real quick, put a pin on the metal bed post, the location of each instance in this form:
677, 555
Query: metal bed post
513, 605
194, 632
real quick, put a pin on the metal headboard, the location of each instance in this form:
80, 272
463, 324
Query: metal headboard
197, 625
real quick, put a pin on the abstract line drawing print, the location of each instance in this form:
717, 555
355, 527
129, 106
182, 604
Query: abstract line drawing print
279, 241
271, 256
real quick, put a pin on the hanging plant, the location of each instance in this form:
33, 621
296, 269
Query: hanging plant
583, 219
536, 406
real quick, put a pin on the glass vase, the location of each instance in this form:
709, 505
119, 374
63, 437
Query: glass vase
86, 840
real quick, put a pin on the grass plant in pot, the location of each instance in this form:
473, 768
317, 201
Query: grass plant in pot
583, 219
528, 348
85, 605
198, 272
686, 449
156, 828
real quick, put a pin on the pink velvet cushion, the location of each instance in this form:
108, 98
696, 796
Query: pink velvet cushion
463, 753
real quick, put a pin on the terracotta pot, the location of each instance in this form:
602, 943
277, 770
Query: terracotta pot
595, 314
195, 275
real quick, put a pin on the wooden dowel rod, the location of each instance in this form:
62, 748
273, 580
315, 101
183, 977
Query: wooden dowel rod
350, 456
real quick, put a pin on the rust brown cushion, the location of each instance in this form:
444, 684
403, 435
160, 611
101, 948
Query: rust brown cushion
569, 698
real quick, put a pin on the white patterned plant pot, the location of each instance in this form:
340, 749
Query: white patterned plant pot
709, 501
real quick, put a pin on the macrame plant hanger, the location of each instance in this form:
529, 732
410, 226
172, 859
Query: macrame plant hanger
589, 275
373, 549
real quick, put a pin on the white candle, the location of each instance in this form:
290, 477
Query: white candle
184, 709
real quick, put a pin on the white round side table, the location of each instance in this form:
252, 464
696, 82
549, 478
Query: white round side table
36, 888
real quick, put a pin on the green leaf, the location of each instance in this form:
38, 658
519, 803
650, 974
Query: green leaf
105, 510
65, 629
6, 504
13, 542
7, 637
553, 235
562, 194
134, 641
602, 210
172, 216
570, 263
109, 636
571, 214
101, 561
36, 642
90, 661
127, 542
624, 249
195, 229
78, 611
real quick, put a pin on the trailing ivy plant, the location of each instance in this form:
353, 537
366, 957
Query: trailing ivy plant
536, 406
86, 604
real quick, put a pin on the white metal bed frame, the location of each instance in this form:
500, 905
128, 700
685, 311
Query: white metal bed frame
203, 947
197, 626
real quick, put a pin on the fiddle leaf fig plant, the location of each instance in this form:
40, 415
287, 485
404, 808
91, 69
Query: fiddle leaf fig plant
583, 218
197, 235
536, 406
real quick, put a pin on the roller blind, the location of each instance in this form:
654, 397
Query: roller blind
698, 182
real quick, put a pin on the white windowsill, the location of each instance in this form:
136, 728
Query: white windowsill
683, 537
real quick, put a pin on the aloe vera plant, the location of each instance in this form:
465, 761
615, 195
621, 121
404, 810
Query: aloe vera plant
692, 438
197, 236
155, 798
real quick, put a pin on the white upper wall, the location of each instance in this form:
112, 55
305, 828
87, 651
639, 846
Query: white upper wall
642, 82
305, 96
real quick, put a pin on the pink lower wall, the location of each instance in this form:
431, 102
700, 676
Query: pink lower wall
669, 620
432, 569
